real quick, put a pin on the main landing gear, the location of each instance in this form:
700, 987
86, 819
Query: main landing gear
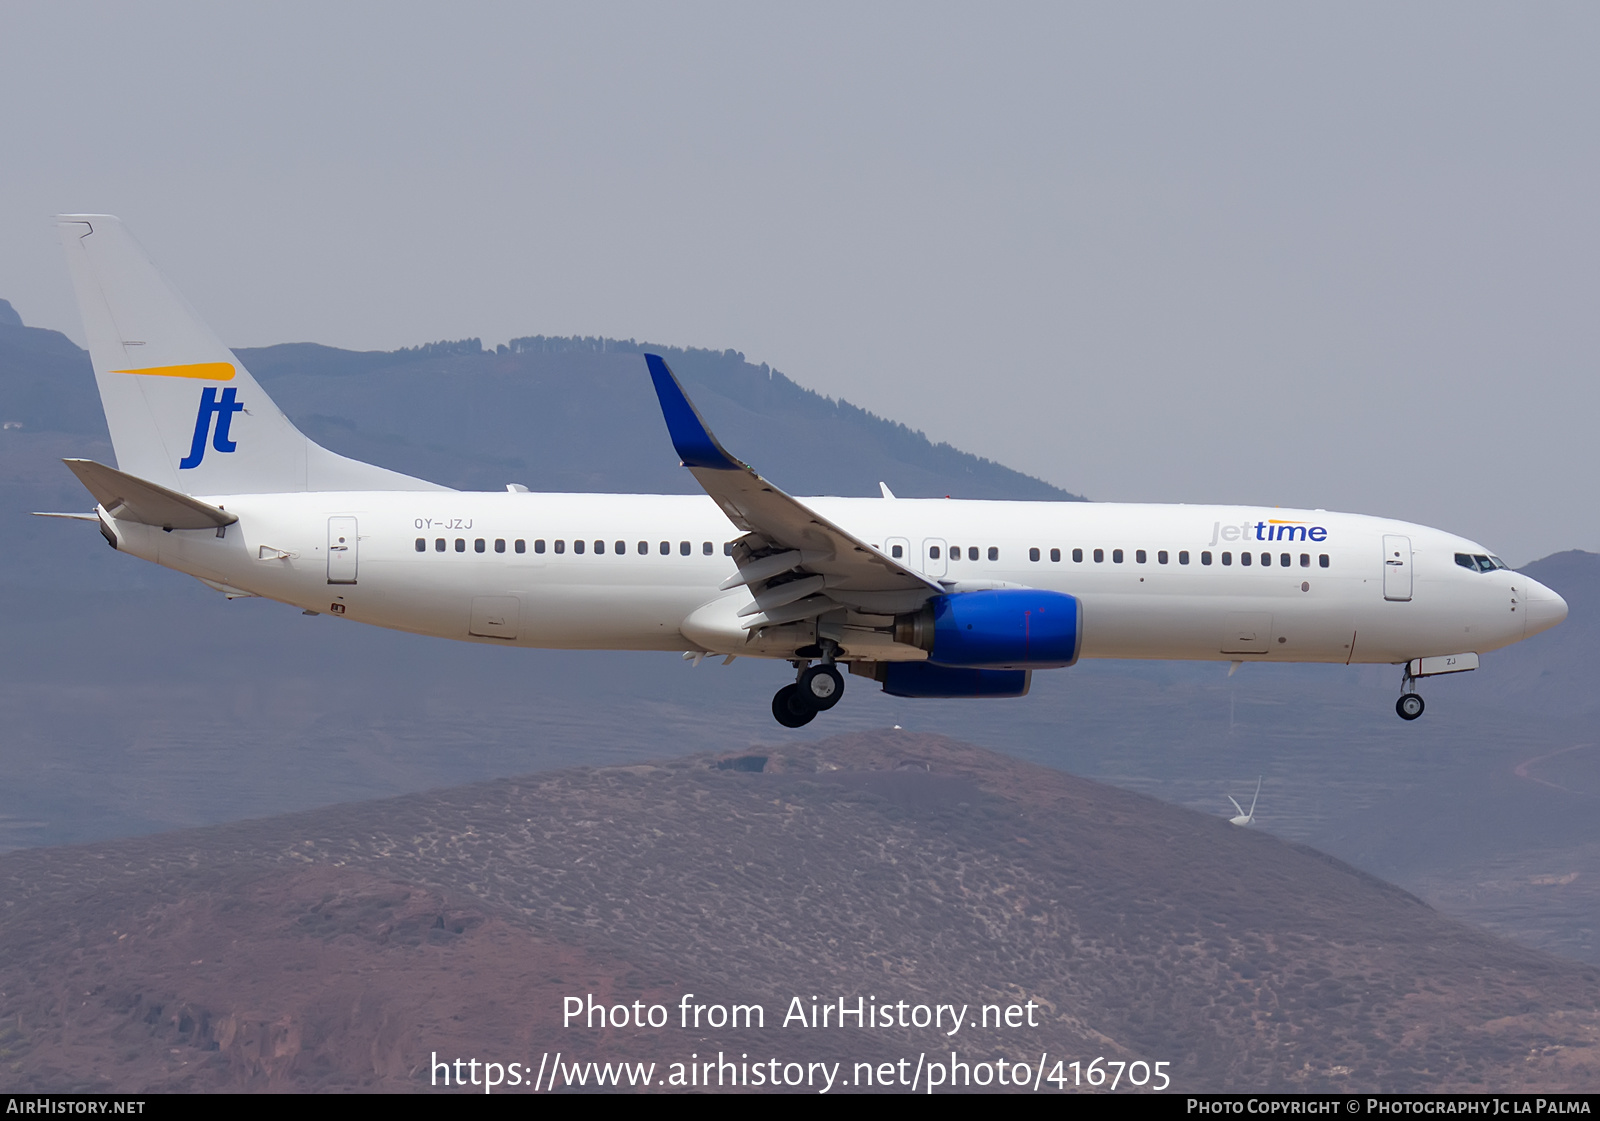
816, 689
1410, 705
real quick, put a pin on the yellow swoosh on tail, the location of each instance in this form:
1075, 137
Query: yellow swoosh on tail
205, 371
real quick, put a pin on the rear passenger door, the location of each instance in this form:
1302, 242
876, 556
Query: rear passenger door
342, 548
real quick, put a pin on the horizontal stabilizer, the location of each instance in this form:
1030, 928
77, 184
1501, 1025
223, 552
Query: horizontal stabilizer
226, 589
132, 499
71, 517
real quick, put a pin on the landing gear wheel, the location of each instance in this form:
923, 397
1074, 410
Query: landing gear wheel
789, 708
821, 687
1409, 706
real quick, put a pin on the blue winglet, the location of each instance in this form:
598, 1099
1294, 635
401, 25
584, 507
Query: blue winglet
695, 444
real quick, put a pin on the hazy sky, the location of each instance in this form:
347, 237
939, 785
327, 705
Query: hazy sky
1340, 256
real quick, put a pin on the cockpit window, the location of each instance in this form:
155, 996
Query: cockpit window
1480, 563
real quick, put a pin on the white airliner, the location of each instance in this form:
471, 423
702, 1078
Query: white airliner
929, 597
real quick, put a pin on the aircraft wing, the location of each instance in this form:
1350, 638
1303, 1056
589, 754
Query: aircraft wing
797, 563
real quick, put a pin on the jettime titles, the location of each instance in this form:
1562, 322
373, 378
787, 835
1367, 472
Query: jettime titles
1271, 530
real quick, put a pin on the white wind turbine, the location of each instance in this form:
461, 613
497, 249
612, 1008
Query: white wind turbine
1246, 818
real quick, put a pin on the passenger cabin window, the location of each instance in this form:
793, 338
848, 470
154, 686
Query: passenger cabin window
579, 546
727, 548
1033, 554
1077, 556
683, 548
499, 544
1055, 555
972, 552
1161, 557
1141, 556
479, 545
561, 546
422, 545
994, 553
461, 544
897, 551
1183, 556
438, 545
1227, 558
1284, 559
1305, 560
599, 547
521, 546
644, 548
706, 549
933, 552
1116, 556
1322, 560
666, 548
621, 548
1099, 556
1266, 560
1205, 558
1244, 559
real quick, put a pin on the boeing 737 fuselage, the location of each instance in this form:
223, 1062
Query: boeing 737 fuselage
930, 597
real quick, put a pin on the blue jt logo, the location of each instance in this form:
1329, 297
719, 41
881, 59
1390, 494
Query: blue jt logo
223, 410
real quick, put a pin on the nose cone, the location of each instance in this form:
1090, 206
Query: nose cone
1544, 608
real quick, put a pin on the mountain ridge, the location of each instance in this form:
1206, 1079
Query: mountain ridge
434, 410
136, 700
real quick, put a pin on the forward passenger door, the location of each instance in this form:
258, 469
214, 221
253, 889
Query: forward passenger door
1396, 567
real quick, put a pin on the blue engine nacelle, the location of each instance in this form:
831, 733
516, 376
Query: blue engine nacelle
924, 679
1010, 628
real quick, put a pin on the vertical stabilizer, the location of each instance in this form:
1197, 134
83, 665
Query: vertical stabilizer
182, 409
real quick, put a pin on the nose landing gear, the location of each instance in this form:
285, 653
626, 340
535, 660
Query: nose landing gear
816, 689
1410, 705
